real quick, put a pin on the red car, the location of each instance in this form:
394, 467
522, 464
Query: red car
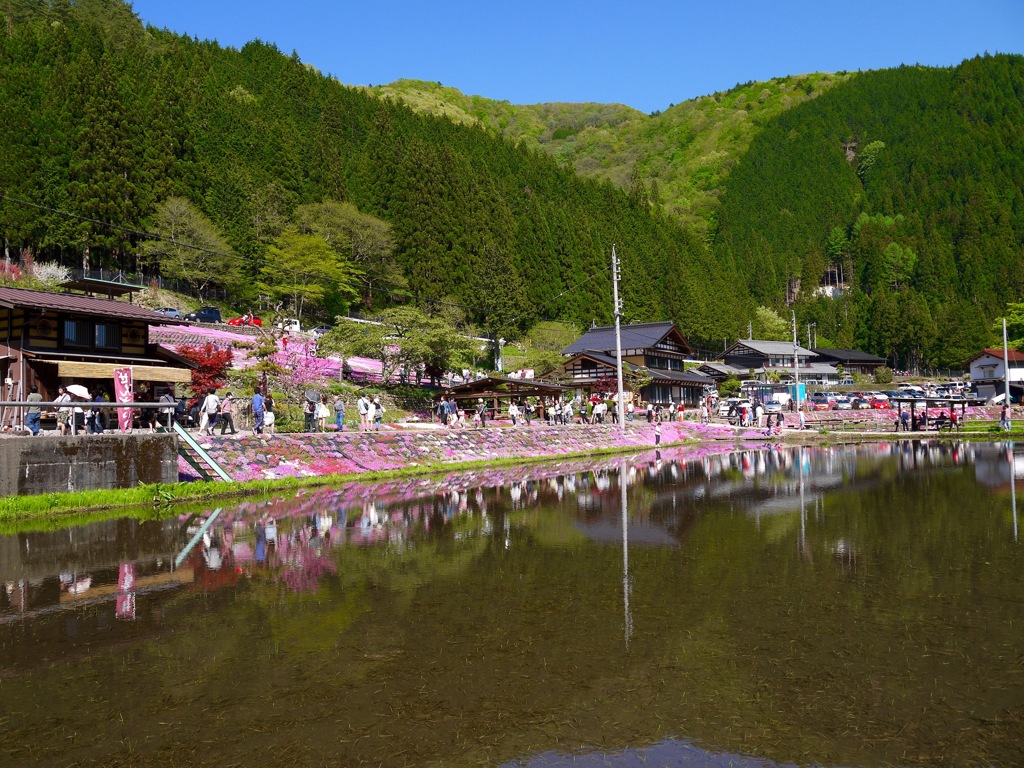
246, 320
880, 402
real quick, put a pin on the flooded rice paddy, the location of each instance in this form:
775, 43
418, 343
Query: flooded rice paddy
843, 606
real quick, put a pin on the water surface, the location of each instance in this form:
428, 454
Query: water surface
816, 606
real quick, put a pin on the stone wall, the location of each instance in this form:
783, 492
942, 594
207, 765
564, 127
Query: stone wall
52, 464
350, 452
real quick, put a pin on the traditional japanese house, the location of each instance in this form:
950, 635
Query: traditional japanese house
655, 350
51, 339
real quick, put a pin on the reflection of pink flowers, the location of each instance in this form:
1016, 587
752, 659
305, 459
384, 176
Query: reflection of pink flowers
304, 568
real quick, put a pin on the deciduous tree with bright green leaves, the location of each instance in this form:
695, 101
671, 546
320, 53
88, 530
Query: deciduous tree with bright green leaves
301, 268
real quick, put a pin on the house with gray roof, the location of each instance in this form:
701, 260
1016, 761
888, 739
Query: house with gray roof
657, 350
764, 358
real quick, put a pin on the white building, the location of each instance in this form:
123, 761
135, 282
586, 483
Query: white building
987, 373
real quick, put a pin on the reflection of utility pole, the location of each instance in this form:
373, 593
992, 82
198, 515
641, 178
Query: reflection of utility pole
628, 617
1013, 489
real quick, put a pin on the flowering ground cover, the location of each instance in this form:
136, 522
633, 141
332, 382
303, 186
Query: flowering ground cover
305, 455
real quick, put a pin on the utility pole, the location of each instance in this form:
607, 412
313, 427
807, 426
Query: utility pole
620, 404
750, 329
796, 364
1006, 369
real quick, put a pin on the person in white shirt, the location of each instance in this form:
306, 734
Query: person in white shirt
208, 412
363, 406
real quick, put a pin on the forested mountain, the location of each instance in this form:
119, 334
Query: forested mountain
682, 154
132, 127
904, 184
909, 183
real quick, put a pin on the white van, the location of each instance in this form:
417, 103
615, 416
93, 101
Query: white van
290, 325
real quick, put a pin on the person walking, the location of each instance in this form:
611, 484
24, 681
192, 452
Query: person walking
323, 412
452, 413
657, 433
309, 408
63, 411
259, 406
208, 412
363, 406
339, 413
35, 412
442, 411
630, 408
227, 410
270, 419
481, 412
513, 413
378, 413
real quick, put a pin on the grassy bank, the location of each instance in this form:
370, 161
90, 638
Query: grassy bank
153, 500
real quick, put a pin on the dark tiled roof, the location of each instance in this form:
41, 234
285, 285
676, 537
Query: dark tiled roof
76, 303
602, 339
848, 355
606, 359
768, 348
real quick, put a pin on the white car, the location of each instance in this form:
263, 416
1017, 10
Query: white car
289, 324
843, 403
726, 405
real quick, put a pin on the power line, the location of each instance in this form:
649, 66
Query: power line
109, 225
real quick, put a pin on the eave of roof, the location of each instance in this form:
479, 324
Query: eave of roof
73, 303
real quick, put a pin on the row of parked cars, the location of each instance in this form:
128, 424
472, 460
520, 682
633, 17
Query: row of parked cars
213, 315
853, 401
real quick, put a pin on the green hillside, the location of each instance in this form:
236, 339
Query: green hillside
682, 154
910, 182
116, 130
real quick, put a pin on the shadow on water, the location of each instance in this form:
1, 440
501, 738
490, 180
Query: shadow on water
763, 607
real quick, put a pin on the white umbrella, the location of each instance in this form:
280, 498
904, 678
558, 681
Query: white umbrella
77, 390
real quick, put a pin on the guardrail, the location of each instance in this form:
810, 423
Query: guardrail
20, 407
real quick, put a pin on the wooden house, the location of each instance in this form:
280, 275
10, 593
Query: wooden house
51, 339
659, 350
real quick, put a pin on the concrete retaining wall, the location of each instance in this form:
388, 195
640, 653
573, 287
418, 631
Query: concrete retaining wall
251, 458
53, 464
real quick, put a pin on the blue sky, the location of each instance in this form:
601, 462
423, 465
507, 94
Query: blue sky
646, 54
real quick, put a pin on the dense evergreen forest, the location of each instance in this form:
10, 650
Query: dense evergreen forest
137, 127
906, 183
259, 174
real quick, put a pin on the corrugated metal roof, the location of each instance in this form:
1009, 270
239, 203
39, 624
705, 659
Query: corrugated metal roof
76, 303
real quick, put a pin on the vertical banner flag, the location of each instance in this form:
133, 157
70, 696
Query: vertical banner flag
123, 394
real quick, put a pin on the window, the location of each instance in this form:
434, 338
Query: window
77, 333
108, 336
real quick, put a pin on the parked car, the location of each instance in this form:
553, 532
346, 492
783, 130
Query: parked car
290, 325
860, 404
842, 403
822, 401
171, 312
879, 400
320, 330
730, 404
205, 315
772, 406
246, 320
